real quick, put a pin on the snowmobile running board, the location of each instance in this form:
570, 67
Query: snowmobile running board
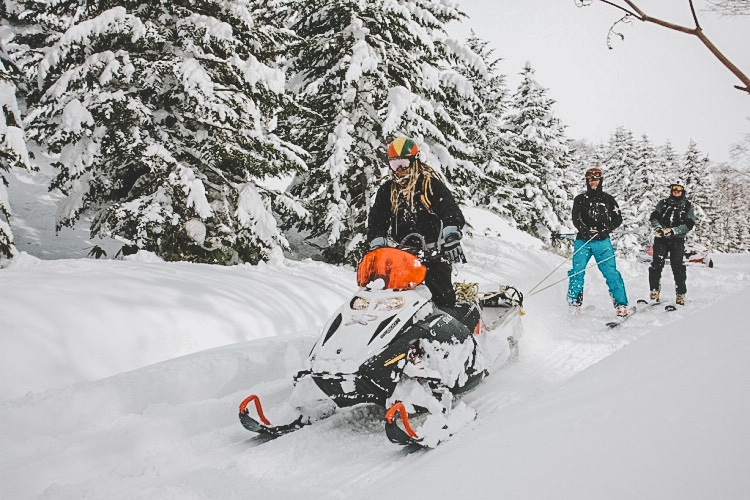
265, 427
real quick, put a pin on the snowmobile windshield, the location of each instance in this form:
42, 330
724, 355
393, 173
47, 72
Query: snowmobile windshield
398, 270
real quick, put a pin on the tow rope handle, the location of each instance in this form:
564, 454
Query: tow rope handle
258, 408
399, 408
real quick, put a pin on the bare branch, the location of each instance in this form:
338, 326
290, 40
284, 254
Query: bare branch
634, 11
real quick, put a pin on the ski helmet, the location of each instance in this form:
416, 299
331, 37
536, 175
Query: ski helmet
678, 185
402, 147
594, 173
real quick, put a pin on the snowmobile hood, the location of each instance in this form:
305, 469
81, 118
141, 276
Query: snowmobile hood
365, 327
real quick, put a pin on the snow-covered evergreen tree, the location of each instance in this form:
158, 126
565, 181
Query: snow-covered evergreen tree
696, 175
619, 163
162, 115
640, 197
730, 227
540, 157
13, 152
367, 72
487, 133
670, 165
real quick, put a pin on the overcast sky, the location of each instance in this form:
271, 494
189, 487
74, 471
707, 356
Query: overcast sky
657, 82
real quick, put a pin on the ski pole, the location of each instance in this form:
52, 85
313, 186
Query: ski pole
561, 263
529, 294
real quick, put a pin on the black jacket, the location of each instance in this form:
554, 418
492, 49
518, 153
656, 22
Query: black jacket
443, 212
598, 210
676, 213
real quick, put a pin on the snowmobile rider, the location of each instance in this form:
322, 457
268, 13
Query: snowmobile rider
672, 219
415, 200
595, 215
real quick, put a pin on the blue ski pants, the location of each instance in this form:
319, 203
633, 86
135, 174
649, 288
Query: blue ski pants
604, 255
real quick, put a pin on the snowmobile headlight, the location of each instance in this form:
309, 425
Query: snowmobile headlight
359, 304
389, 304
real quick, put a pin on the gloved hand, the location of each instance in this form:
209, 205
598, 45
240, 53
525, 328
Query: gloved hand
598, 233
378, 242
452, 244
663, 232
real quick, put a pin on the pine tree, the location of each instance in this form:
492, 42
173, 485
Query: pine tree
620, 159
369, 72
540, 157
13, 152
696, 176
486, 132
670, 165
162, 115
730, 227
640, 197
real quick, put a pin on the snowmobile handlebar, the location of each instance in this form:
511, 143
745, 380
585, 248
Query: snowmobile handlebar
422, 250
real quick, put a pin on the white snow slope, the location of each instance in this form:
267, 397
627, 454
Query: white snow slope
121, 379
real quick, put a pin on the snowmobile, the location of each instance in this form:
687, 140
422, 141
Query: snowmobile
391, 346
695, 253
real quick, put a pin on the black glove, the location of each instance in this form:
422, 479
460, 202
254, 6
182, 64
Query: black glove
452, 244
663, 232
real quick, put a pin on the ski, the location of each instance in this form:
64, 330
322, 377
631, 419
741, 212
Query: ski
619, 321
645, 302
668, 307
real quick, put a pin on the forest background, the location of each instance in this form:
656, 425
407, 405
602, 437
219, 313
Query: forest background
230, 131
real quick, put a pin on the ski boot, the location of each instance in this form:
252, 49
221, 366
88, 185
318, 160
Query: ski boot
621, 311
574, 310
654, 296
680, 299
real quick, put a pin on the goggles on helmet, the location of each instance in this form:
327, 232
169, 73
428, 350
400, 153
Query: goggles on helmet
677, 189
399, 164
593, 173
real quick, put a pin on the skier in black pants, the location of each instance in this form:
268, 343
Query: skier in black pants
672, 219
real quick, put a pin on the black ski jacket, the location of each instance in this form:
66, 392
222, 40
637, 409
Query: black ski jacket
418, 219
676, 213
598, 210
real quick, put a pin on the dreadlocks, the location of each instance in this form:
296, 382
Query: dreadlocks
406, 191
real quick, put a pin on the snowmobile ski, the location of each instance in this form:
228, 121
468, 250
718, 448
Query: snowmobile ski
396, 434
264, 426
432, 430
621, 320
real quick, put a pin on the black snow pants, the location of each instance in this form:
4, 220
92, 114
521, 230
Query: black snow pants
439, 280
674, 248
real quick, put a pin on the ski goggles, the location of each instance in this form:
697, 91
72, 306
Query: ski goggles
399, 164
677, 189
594, 175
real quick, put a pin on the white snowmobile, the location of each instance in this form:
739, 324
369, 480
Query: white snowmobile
391, 346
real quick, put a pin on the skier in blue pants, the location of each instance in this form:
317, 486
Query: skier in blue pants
595, 215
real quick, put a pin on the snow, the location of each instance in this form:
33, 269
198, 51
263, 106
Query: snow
121, 379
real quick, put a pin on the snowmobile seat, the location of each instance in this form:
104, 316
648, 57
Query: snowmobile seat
466, 313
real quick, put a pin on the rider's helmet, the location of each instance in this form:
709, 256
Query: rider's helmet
677, 186
402, 159
402, 147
